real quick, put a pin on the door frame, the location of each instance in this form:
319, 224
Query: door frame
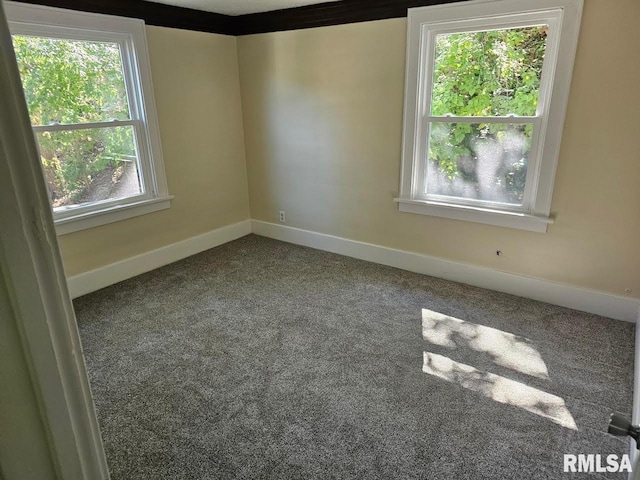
38, 305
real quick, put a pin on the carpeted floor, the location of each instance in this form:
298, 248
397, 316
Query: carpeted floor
262, 359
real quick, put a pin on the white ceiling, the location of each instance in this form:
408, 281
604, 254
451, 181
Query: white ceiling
240, 7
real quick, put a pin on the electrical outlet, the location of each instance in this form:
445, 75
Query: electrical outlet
282, 216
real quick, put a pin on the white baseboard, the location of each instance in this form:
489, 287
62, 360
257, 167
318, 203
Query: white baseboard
116, 272
592, 301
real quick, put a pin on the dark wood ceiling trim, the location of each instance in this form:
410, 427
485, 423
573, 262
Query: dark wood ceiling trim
325, 14
152, 13
317, 15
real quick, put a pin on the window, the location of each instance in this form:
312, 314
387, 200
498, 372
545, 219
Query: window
87, 83
487, 88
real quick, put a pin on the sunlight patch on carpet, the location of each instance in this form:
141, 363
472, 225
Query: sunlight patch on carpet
500, 389
506, 349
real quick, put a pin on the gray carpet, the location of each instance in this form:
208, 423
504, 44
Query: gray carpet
262, 359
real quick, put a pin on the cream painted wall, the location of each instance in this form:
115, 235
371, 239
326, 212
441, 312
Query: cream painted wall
197, 92
322, 111
24, 452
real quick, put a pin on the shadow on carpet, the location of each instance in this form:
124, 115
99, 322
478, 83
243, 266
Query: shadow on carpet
262, 359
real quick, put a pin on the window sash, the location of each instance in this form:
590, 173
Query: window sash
56, 127
123, 40
143, 172
426, 67
504, 119
563, 19
136, 110
129, 33
533, 164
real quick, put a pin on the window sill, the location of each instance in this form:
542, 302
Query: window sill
86, 220
522, 221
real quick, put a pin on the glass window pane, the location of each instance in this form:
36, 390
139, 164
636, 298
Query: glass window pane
473, 161
71, 81
491, 73
89, 165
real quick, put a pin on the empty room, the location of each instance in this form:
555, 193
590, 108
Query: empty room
287, 239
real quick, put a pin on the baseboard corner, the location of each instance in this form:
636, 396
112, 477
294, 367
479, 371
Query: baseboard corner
102, 277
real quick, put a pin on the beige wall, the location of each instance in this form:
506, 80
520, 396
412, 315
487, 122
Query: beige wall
322, 112
323, 121
197, 92
24, 452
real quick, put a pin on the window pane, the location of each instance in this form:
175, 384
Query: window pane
71, 81
89, 165
485, 162
491, 73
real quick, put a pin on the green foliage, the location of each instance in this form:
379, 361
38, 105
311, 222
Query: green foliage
72, 158
72, 82
492, 73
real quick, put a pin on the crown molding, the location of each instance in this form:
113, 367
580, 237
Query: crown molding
310, 16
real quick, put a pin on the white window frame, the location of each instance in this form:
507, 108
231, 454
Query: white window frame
424, 23
129, 34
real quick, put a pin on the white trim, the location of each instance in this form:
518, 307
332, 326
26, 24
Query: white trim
116, 272
500, 218
508, 119
58, 127
40, 302
130, 34
592, 301
563, 18
115, 213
